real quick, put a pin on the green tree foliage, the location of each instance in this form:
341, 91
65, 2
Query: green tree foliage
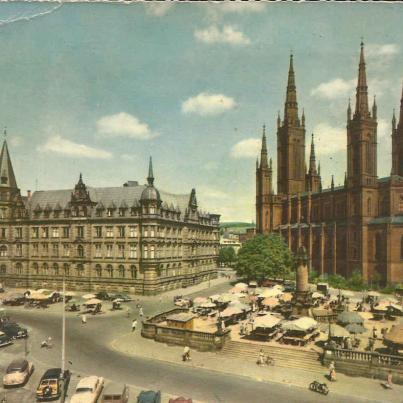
227, 255
264, 256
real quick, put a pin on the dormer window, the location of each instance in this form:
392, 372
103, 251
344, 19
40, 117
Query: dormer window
122, 212
109, 212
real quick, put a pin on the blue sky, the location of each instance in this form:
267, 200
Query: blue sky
97, 88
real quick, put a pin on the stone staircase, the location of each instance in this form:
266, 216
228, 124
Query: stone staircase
283, 356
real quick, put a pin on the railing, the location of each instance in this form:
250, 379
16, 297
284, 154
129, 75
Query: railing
372, 357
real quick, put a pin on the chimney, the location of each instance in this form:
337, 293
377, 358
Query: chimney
29, 194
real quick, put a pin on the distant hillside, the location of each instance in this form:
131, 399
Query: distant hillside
237, 227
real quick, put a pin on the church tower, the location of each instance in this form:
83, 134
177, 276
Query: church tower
362, 135
291, 143
397, 142
264, 190
313, 179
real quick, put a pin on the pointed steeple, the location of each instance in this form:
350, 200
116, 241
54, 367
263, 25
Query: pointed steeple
257, 163
374, 109
150, 177
303, 117
7, 177
312, 158
345, 179
401, 110
278, 119
291, 105
349, 110
394, 120
319, 169
361, 106
263, 152
332, 183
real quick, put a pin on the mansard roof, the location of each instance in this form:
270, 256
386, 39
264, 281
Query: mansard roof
108, 196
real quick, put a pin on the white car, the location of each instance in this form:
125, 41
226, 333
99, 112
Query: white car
18, 372
88, 390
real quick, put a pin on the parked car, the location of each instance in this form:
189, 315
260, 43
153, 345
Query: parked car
103, 295
180, 400
182, 302
123, 297
18, 372
88, 390
53, 384
14, 330
14, 300
5, 340
115, 393
149, 396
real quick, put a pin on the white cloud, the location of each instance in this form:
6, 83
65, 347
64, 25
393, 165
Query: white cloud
248, 148
385, 50
124, 125
158, 8
384, 129
240, 7
57, 144
228, 35
206, 104
212, 193
333, 89
127, 157
329, 139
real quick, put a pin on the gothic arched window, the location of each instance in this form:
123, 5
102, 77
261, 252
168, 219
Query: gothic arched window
369, 206
109, 270
80, 251
121, 271
3, 269
55, 269
66, 269
98, 270
133, 271
18, 268
35, 268
3, 251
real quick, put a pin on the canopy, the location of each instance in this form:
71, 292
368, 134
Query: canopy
270, 292
88, 296
397, 307
70, 294
317, 295
382, 306
38, 296
348, 317
286, 297
356, 328
266, 321
271, 302
230, 311
302, 324
115, 300
395, 335
93, 301
208, 305
338, 331
41, 290
240, 305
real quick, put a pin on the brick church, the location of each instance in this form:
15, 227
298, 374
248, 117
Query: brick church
357, 226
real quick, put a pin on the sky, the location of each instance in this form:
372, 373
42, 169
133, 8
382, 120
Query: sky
98, 88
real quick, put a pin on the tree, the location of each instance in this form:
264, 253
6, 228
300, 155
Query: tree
264, 256
227, 255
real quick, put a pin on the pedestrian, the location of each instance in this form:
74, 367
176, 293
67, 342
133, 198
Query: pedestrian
141, 312
374, 334
186, 354
389, 379
134, 325
83, 319
332, 372
128, 312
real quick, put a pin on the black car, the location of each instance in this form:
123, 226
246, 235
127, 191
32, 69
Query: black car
53, 384
14, 330
103, 295
5, 340
149, 396
123, 297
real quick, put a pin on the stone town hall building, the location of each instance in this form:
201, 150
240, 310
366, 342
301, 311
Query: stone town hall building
132, 238
358, 226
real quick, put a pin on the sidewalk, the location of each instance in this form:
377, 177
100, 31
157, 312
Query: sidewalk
135, 345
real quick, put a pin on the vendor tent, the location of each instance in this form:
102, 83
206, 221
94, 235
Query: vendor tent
374, 294
38, 296
286, 297
266, 321
242, 286
302, 324
395, 336
208, 305
355, 328
93, 301
88, 296
270, 302
231, 311
337, 331
270, 292
317, 295
346, 318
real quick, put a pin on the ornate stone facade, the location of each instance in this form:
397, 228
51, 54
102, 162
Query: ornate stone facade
358, 226
132, 238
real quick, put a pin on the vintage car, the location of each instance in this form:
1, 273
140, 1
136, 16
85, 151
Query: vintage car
53, 384
14, 330
103, 295
149, 396
18, 372
115, 393
182, 302
5, 340
88, 390
14, 300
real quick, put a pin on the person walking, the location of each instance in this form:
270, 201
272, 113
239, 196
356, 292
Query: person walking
83, 319
141, 312
134, 325
186, 354
389, 381
332, 372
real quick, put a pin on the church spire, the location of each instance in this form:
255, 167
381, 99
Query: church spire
7, 177
150, 177
401, 110
263, 153
332, 183
361, 106
349, 110
312, 158
394, 120
291, 105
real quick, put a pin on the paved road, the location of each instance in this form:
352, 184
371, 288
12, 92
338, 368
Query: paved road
88, 351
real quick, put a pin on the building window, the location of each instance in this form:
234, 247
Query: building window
121, 231
66, 232
66, 269
133, 271
109, 250
35, 232
55, 269
18, 232
133, 251
98, 270
66, 250
152, 251
121, 212
109, 232
55, 232
152, 231
35, 268
80, 251
133, 232
55, 248
369, 205
121, 271
98, 232
145, 253
3, 251
35, 250
109, 212
45, 232
45, 248
121, 250
98, 250
79, 270
18, 250
45, 268
3, 233
80, 232
378, 247
109, 270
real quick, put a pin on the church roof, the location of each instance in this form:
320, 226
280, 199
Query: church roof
6, 168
